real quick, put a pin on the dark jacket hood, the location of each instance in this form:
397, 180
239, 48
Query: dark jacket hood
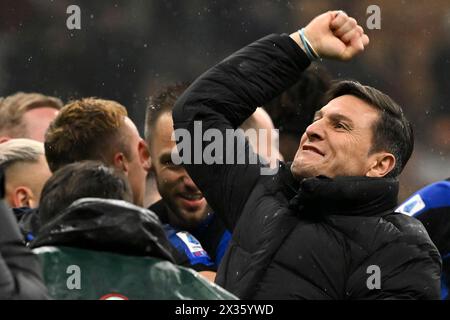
107, 225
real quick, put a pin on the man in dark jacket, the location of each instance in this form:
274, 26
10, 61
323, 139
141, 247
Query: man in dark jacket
20, 271
325, 227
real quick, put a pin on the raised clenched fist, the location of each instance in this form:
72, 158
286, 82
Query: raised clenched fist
334, 35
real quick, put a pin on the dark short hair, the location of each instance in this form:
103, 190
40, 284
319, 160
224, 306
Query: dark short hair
80, 180
86, 129
392, 132
162, 102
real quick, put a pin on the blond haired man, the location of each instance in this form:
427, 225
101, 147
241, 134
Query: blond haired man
26, 171
27, 115
97, 129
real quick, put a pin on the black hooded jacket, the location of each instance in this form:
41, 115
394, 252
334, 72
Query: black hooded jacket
107, 225
318, 239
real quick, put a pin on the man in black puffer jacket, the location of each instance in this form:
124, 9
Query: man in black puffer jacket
324, 227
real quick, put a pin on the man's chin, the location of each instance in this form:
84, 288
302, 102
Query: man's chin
193, 219
191, 209
300, 171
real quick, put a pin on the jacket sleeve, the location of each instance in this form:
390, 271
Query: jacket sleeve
408, 268
20, 274
222, 98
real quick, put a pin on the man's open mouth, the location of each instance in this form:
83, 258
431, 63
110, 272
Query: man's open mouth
191, 196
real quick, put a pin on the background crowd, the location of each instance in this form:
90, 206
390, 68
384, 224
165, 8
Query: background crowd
127, 50
110, 93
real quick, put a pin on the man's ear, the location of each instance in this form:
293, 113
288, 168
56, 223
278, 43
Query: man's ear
24, 197
144, 155
382, 164
121, 162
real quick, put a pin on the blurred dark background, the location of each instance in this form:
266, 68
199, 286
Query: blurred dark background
126, 50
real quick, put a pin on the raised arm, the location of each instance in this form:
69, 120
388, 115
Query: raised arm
227, 94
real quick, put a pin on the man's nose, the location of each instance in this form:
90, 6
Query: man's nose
315, 130
189, 183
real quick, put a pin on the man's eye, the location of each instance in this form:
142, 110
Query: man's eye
168, 163
340, 125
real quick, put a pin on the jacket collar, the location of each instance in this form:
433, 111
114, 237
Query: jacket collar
348, 196
290, 184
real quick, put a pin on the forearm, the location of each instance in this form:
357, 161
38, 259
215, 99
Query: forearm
222, 99
247, 79
263, 69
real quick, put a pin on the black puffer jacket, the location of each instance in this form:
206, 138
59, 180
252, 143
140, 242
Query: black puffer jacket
318, 239
107, 225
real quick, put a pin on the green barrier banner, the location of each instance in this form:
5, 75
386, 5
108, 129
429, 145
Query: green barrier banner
78, 274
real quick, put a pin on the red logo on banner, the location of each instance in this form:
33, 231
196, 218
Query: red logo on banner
113, 296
